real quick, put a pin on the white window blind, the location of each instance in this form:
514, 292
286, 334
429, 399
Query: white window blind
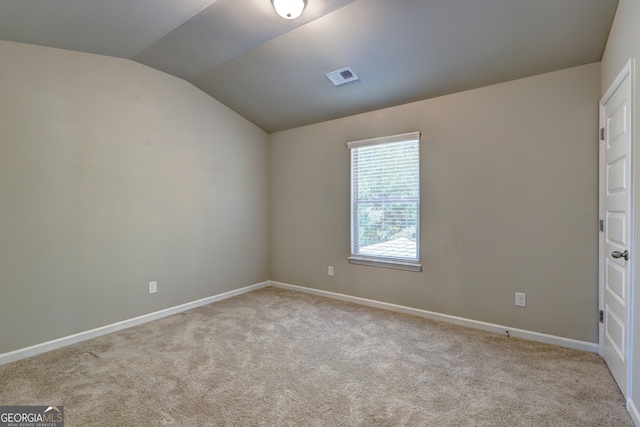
385, 201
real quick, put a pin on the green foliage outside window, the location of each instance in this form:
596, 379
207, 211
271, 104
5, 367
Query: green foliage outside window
386, 190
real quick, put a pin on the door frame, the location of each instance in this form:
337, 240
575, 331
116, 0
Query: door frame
627, 71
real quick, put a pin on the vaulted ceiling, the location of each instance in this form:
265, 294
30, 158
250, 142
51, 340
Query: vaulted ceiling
272, 71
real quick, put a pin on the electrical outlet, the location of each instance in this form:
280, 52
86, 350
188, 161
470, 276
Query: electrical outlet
521, 299
330, 270
153, 287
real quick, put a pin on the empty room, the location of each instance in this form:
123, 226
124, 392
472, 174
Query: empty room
319, 212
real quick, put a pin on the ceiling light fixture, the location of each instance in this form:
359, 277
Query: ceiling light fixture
289, 9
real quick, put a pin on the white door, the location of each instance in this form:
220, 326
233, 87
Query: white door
616, 172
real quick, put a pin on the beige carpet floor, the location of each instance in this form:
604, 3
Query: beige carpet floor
280, 358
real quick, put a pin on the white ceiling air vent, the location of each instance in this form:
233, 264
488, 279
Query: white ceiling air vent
342, 76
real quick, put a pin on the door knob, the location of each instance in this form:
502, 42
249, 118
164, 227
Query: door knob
617, 254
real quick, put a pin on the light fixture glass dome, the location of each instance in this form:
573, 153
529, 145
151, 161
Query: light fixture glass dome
289, 9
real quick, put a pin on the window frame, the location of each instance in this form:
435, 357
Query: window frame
375, 260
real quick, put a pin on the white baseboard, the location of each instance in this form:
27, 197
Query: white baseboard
633, 411
23, 353
461, 321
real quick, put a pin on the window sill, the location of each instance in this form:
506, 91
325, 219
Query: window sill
385, 263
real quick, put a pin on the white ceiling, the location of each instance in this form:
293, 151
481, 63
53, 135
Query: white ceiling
271, 70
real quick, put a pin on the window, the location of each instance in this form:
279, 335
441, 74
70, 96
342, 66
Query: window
385, 202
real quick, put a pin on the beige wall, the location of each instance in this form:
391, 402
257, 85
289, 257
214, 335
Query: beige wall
624, 43
509, 204
113, 175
